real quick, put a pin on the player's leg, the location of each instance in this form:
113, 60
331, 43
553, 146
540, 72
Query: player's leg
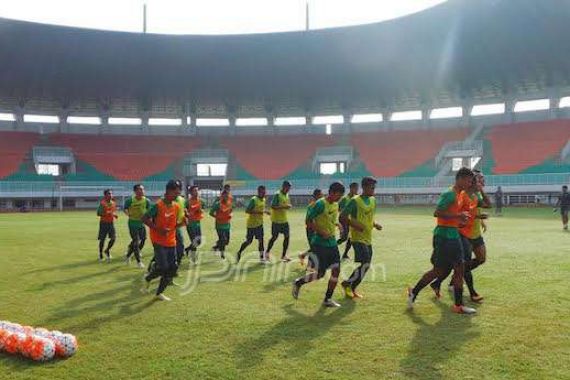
274, 236
333, 255
166, 264
347, 247
179, 246
112, 239
285, 231
363, 256
142, 238
246, 243
260, 242
564, 212
318, 263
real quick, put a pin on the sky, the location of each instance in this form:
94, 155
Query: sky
209, 16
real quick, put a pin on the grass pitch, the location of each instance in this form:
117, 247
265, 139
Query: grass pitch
228, 323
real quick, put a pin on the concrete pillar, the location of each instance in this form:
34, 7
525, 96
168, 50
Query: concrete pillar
19, 116
509, 109
426, 121
63, 114
145, 115
104, 115
554, 98
467, 106
347, 126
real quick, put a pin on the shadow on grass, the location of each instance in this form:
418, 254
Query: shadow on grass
97, 309
297, 331
434, 345
74, 280
74, 265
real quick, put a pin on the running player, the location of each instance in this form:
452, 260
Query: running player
107, 213
564, 204
162, 219
317, 194
180, 229
135, 207
279, 223
471, 236
447, 248
323, 219
255, 211
194, 213
344, 237
359, 215
222, 211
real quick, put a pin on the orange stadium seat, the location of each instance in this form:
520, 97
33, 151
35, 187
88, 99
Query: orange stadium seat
127, 157
391, 153
518, 146
273, 157
14, 146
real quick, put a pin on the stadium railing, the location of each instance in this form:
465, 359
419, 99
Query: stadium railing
30, 189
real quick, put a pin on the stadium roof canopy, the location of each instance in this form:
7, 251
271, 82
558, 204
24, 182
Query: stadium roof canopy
461, 50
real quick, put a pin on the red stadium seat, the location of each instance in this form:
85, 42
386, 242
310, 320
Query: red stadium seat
391, 153
516, 147
127, 157
273, 157
14, 146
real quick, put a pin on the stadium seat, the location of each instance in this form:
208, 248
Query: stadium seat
392, 153
274, 157
128, 157
516, 147
14, 147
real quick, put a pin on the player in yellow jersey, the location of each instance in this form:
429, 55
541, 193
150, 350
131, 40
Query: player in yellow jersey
323, 219
280, 204
255, 211
317, 194
359, 215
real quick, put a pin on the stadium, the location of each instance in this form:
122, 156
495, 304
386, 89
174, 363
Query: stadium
410, 101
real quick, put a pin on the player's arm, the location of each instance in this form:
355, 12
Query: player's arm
250, 208
318, 209
558, 202
485, 201
100, 210
215, 207
348, 216
442, 209
126, 206
275, 205
148, 219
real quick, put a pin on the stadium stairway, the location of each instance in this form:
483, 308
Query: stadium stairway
527, 147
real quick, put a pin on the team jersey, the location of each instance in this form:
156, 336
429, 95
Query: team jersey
165, 216
307, 226
106, 211
279, 199
344, 201
222, 212
325, 215
195, 209
361, 208
258, 205
453, 201
181, 203
472, 229
137, 208
564, 200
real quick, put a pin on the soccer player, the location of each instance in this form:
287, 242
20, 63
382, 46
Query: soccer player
163, 221
344, 237
280, 204
135, 207
107, 213
255, 211
323, 219
499, 201
564, 204
180, 229
194, 213
222, 211
317, 194
471, 236
359, 215
447, 248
